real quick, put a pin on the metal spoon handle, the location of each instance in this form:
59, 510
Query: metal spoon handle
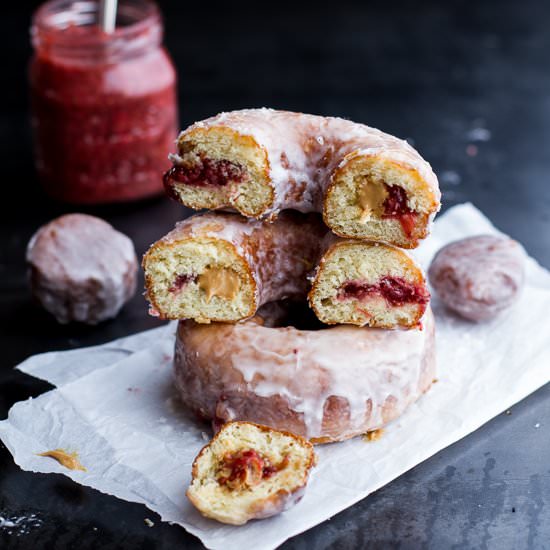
107, 15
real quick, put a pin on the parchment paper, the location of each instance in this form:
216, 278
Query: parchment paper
115, 406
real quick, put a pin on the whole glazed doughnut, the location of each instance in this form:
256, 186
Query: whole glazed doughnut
297, 380
223, 267
479, 277
367, 184
81, 268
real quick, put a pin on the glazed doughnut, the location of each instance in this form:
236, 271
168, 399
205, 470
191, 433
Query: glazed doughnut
325, 385
223, 267
81, 268
367, 184
479, 277
249, 472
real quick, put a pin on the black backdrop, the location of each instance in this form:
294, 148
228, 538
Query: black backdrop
433, 72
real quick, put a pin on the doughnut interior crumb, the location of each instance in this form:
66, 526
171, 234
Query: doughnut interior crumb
202, 279
287, 459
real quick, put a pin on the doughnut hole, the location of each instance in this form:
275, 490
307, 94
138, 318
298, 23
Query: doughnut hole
281, 484
369, 284
479, 277
371, 197
199, 279
245, 186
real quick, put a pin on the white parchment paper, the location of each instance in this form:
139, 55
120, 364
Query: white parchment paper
115, 405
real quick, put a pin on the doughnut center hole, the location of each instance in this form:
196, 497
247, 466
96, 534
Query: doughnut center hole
288, 313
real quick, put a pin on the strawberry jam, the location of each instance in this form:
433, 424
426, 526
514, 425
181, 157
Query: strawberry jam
206, 173
181, 281
246, 469
103, 105
395, 206
395, 290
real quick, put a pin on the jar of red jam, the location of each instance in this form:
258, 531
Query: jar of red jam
103, 105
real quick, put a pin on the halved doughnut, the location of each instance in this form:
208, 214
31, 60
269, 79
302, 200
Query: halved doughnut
223, 267
368, 284
377, 196
368, 184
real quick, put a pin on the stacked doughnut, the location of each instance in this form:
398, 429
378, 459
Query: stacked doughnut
313, 207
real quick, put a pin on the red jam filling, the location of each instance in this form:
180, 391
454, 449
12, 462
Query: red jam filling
102, 122
247, 468
395, 290
206, 173
395, 206
181, 281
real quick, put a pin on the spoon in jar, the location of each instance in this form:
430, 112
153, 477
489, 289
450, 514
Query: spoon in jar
107, 15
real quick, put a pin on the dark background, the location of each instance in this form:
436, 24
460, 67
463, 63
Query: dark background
434, 72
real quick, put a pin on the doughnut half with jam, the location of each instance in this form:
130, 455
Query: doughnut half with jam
249, 471
223, 267
368, 284
367, 184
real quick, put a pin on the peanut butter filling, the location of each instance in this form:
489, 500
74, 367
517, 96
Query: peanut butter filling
69, 460
371, 199
373, 435
221, 282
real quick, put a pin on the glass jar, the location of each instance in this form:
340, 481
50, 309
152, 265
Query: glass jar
104, 112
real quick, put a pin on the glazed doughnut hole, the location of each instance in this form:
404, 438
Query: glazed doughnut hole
478, 277
81, 269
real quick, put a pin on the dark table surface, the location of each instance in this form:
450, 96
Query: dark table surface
434, 72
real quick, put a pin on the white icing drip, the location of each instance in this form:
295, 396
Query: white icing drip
174, 158
355, 364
